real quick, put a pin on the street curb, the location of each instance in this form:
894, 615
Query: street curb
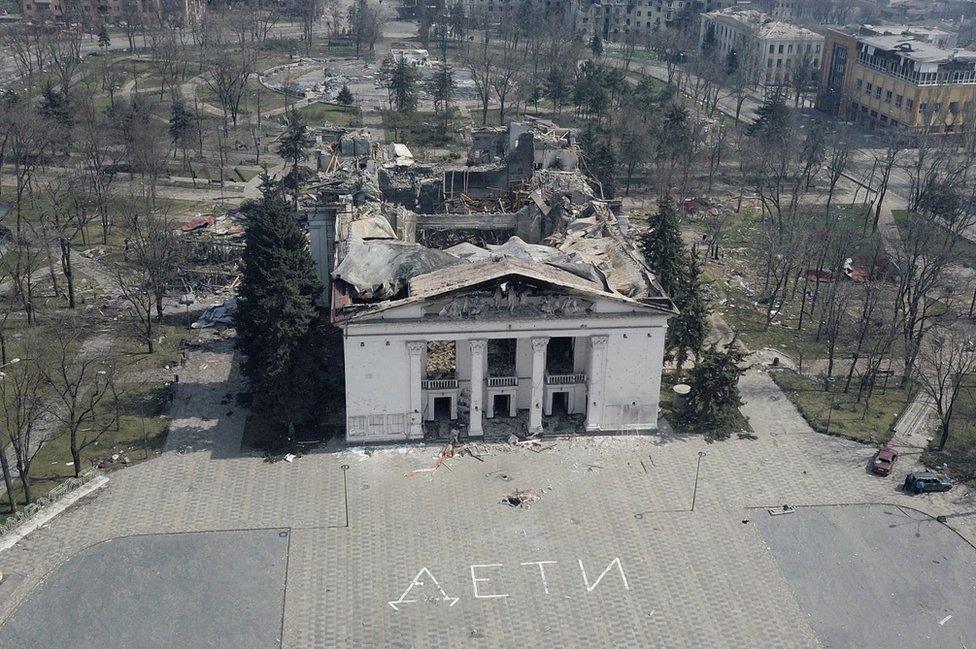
50, 512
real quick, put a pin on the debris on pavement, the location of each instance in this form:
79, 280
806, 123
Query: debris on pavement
520, 499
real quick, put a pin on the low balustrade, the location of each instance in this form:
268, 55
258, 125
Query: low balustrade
439, 384
502, 381
565, 379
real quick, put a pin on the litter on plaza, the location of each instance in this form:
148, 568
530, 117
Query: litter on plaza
520, 499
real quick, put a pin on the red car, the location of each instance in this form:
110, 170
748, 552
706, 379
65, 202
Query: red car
884, 461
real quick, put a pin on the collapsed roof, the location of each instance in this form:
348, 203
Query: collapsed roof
568, 239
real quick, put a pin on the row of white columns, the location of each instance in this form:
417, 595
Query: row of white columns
596, 373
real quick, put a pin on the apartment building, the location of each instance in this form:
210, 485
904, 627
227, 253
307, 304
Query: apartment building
96, 12
897, 80
612, 20
772, 50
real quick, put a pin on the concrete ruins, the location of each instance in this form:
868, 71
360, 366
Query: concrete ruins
501, 297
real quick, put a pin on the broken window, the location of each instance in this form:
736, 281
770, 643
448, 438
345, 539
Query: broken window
559, 356
441, 359
501, 357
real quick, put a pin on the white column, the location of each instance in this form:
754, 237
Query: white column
596, 375
416, 349
538, 383
477, 387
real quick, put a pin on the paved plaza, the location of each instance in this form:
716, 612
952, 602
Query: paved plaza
609, 555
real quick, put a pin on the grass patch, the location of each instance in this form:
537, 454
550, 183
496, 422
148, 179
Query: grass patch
140, 434
335, 114
420, 129
835, 413
942, 240
960, 450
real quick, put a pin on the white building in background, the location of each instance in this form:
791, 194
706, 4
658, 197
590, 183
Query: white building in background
773, 51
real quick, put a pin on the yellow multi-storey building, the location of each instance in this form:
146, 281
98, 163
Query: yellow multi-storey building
897, 80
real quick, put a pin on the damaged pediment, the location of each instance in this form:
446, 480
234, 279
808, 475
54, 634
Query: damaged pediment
509, 299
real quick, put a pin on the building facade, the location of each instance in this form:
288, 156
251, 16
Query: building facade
96, 12
772, 51
488, 299
901, 80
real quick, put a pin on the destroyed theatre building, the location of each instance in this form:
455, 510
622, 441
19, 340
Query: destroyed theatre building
493, 298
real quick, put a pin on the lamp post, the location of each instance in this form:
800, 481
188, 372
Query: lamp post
694, 494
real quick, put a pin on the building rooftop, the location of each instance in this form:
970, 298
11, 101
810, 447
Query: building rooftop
561, 236
921, 31
766, 26
916, 50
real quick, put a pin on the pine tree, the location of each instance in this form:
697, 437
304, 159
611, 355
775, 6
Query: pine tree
292, 147
664, 251
276, 310
181, 128
688, 330
596, 45
773, 119
441, 88
345, 96
715, 396
402, 86
103, 37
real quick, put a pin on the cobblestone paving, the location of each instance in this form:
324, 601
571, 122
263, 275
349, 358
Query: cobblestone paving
682, 578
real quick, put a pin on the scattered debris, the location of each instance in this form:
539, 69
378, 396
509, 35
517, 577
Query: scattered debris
220, 313
199, 221
520, 499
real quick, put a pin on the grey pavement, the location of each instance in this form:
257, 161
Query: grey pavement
215, 589
671, 577
876, 575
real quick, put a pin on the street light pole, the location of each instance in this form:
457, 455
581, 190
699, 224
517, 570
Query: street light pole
694, 494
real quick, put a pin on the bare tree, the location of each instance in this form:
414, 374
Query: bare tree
949, 359
479, 59
505, 74
227, 75
64, 55
27, 46
82, 383
23, 401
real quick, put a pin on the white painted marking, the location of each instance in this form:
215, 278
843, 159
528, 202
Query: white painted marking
395, 604
475, 580
542, 572
944, 620
603, 574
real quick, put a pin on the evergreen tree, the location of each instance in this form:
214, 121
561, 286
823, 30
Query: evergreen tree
596, 45
292, 147
459, 21
181, 128
556, 87
402, 86
599, 160
441, 88
664, 251
773, 119
276, 310
103, 37
345, 96
688, 330
715, 396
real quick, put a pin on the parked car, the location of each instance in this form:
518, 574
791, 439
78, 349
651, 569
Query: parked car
916, 483
884, 461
